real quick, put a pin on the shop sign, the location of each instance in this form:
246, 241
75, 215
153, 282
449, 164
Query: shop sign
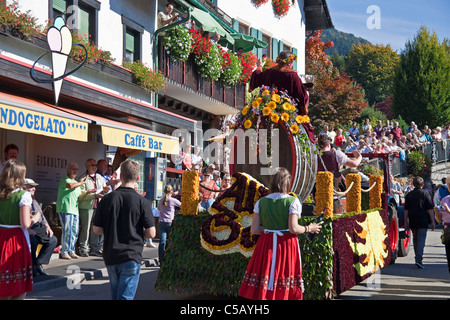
15, 118
142, 141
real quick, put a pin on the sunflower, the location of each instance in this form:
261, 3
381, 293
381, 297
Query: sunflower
272, 105
285, 116
275, 117
294, 128
276, 97
265, 92
266, 111
259, 99
244, 111
286, 106
255, 103
302, 119
247, 124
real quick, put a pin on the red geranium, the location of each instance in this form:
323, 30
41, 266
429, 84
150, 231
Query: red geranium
257, 3
248, 62
281, 7
202, 45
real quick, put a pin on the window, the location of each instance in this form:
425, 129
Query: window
266, 50
87, 23
57, 8
243, 29
132, 35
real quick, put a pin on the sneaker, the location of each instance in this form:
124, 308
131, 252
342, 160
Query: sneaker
419, 265
150, 244
65, 256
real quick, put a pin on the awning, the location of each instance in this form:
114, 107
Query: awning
208, 23
246, 42
30, 116
124, 135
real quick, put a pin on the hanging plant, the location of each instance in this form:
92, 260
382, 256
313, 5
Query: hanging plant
178, 43
281, 7
248, 62
231, 68
258, 3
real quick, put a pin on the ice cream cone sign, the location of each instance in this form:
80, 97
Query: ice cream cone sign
59, 40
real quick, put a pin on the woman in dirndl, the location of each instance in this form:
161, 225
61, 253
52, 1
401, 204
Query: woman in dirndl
274, 270
16, 267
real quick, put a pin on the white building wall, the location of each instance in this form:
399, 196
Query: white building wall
289, 29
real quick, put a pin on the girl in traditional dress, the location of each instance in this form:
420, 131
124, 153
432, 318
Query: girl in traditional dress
16, 267
276, 274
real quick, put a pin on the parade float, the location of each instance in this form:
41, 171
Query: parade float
207, 254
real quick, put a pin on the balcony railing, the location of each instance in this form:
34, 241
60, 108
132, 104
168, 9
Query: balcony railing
186, 74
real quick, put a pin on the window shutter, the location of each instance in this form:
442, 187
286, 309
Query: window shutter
129, 41
275, 50
280, 46
84, 23
59, 5
294, 51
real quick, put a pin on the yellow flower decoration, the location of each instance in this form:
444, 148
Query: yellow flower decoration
285, 116
272, 105
244, 111
266, 111
275, 117
276, 97
247, 124
265, 92
302, 119
286, 106
259, 99
294, 128
255, 103
292, 107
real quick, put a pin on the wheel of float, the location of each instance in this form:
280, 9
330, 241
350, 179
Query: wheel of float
393, 231
404, 244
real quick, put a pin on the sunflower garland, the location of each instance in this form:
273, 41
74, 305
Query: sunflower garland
189, 193
324, 193
376, 191
354, 195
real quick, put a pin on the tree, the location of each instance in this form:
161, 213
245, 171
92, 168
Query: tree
335, 98
422, 81
373, 66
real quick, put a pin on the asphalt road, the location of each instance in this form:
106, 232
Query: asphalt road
399, 281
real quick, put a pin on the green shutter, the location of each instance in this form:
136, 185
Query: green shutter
280, 46
129, 41
294, 51
59, 5
254, 33
83, 26
236, 25
275, 50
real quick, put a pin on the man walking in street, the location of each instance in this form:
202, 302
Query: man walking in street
125, 219
418, 215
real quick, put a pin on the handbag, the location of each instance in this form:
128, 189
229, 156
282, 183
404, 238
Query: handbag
445, 237
41, 233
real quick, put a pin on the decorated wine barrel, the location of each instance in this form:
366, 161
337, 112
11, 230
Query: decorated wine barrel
299, 157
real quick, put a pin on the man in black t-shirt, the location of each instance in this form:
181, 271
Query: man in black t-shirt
124, 218
418, 215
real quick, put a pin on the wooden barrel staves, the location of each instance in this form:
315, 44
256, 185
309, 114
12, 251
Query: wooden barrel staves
250, 154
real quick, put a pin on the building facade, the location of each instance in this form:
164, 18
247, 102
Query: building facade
102, 110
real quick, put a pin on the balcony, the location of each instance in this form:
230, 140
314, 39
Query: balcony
184, 83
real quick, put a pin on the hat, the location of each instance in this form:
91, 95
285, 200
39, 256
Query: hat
30, 182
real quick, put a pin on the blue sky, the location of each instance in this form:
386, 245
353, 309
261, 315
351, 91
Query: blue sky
399, 20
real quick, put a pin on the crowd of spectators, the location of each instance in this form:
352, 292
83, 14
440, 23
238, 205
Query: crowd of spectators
385, 138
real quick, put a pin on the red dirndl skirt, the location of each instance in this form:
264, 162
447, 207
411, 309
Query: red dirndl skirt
287, 278
16, 266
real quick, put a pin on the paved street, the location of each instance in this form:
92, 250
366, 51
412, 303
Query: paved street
400, 281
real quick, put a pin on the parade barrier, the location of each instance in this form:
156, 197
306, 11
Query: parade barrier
209, 253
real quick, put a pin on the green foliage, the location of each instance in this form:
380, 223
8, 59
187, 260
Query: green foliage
147, 78
210, 66
178, 43
422, 81
343, 42
94, 53
419, 164
188, 268
18, 23
232, 69
373, 67
317, 262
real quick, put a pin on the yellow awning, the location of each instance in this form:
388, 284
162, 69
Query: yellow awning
124, 135
30, 116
